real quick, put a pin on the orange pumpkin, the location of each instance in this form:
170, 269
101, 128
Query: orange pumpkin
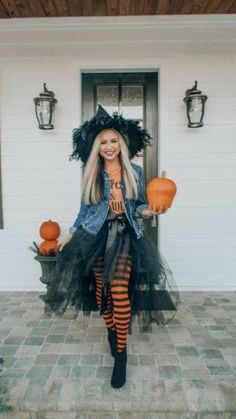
48, 246
49, 230
161, 192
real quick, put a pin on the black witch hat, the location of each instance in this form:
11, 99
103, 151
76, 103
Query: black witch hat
135, 136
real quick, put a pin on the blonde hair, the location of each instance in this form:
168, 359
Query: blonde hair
93, 173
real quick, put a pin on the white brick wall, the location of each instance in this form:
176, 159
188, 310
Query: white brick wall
198, 235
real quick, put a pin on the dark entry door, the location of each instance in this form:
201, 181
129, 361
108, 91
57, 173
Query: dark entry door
135, 95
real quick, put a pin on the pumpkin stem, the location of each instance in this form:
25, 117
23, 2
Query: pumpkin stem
163, 173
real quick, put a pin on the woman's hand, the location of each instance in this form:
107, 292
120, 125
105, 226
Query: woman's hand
149, 212
62, 242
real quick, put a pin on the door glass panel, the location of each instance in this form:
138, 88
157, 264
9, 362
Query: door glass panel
108, 97
132, 102
132, 108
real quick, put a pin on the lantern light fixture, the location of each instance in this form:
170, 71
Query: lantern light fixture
195, 106
45, 109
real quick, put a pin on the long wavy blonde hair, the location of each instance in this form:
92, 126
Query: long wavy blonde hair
92, 186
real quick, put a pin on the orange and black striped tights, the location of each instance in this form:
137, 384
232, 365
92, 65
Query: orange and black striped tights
117, 315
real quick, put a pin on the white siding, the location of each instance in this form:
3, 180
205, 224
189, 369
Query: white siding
198, 235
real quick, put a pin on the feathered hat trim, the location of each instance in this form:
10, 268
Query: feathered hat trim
83, 137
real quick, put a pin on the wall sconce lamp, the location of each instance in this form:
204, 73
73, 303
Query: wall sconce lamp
195, 104
45, 108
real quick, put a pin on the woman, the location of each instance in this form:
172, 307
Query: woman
107, 262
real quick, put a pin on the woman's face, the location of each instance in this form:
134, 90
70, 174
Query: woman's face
109, 145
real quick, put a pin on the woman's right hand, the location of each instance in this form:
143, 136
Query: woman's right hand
63, 242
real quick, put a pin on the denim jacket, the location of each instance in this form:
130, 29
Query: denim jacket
91, 217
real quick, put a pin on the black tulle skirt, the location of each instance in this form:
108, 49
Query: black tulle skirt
153, 293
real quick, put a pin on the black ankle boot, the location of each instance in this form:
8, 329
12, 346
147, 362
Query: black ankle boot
119, 371
112, 341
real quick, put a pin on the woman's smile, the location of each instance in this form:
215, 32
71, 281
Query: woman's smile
109, 152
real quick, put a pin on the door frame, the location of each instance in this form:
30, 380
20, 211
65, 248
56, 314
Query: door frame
155, 153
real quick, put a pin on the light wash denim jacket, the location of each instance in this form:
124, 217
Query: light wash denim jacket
92, 217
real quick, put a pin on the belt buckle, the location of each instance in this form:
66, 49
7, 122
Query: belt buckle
121, 219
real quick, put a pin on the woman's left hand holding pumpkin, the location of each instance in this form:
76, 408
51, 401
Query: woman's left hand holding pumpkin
149, 212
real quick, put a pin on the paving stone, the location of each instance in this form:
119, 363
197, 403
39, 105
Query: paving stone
220, 370
27, 350
49, 399
91, 359
132, 359
32, 323
98, 348
82, 372
170, 372
192, 362
68, 359
60, 367
68, 394
104, 372
32, 396
14, 372
4, 332
60, 372
55, 339
231, 343
168, 396
228, 390
51, 348
147, 359
142, 371
78, 348
8, 361
224, 321
94, 338
8, 350
59, 330
46, 359
196, 373
20, 331
187, 351
23, 362
203, 395
74, 339
34, 340
230, 359
13, 340
39, 331
89, 392
108, 360
17, 391
39, 371
209, 354
46, 323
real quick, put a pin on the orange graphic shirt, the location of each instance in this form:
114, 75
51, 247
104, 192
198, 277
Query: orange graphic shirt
116, 198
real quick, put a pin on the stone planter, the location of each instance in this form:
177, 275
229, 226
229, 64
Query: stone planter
47, 264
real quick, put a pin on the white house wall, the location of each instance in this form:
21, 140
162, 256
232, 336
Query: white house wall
198, 234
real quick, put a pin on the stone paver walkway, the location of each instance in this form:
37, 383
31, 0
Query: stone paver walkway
60, 367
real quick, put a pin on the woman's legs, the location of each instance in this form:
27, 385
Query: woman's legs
117, 315
120, 300
108, 314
